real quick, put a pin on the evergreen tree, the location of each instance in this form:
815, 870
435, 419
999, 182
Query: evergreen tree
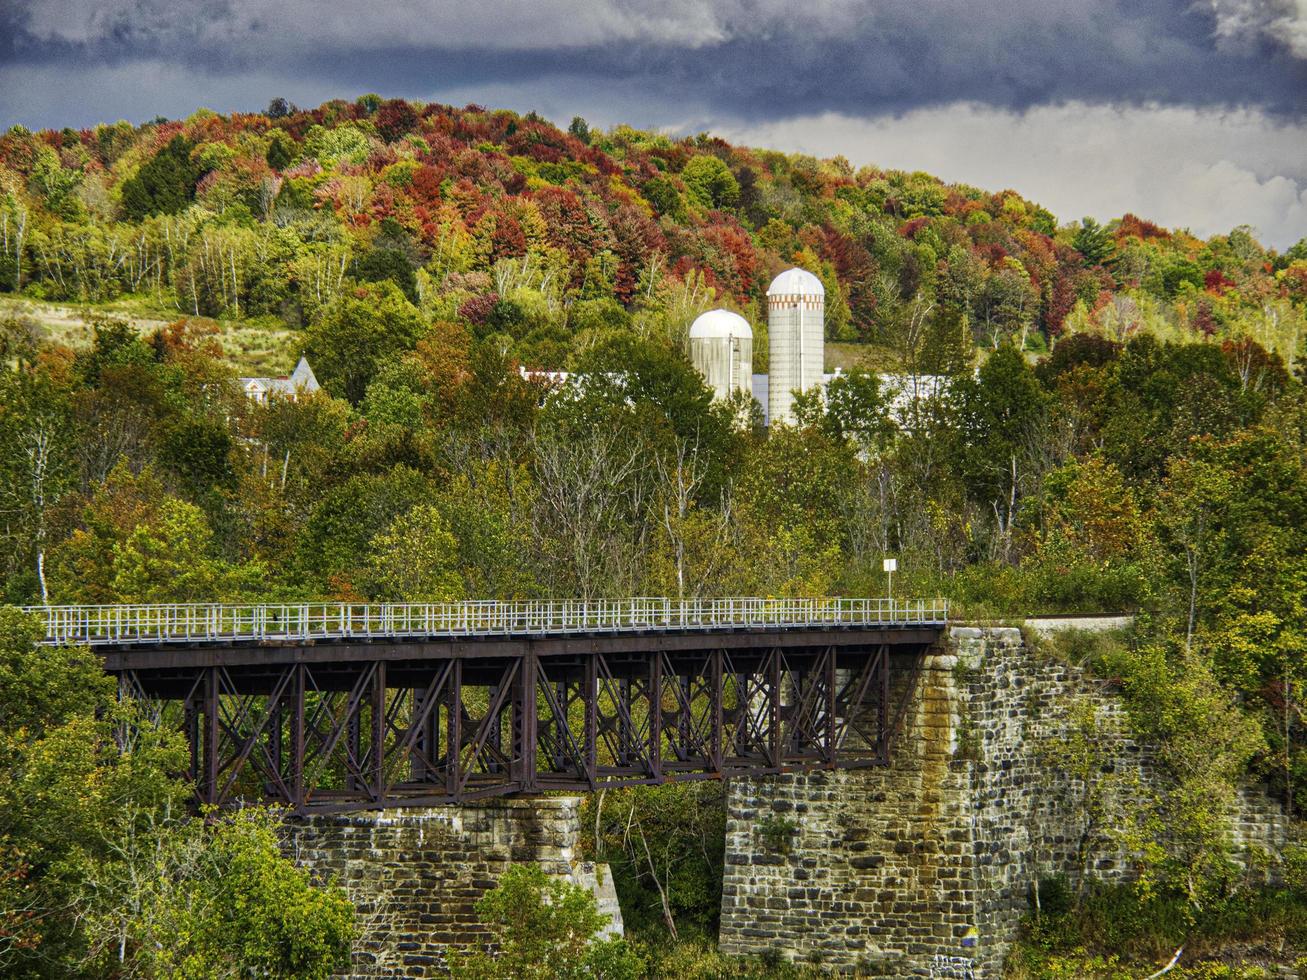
1094, 242
164, 185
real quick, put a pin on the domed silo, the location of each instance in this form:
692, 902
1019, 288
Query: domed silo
796, 313
721, 348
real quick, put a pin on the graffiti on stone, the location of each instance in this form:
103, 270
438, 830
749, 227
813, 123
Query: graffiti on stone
952, 968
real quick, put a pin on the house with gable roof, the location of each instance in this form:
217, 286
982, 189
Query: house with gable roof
301, 382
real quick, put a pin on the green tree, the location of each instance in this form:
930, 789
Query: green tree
1094, 549
97, 845
171, 559
1181, 835
165, 184
1000, 412
1082, 753
856, 408
665, 198
1095, 242
710, 182
487, 505
1193, 501
37, 468
414, 559
220, 900
580, 129
659, 395
282, 149
544, 928
357, 333
666, 847
332, 547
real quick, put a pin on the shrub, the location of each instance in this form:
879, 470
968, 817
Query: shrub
544, 928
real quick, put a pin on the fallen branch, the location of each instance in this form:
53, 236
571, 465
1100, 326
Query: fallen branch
1168, 968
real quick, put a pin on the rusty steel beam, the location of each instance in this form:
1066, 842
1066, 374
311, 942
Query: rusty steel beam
274, 654
382, 731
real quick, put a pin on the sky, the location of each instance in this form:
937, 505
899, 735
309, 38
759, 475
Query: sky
1192, 113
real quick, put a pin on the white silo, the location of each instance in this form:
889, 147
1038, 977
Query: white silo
796, 313
721, 348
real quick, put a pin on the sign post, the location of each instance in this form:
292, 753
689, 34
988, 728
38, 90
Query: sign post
891, 565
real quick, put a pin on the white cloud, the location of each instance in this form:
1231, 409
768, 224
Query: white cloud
1242, 22
1181, 167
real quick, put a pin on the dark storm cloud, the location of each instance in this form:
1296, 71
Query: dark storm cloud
747, 59
1193, 112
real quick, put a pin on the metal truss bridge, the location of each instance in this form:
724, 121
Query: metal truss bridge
338, 706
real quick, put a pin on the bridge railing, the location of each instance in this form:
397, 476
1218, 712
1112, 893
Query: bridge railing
220, 622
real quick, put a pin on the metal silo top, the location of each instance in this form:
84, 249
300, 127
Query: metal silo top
796, 282
719, 323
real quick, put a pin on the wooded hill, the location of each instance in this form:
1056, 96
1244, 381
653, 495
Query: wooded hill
1154, 460
512, 226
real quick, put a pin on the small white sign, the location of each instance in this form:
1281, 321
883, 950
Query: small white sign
891, 564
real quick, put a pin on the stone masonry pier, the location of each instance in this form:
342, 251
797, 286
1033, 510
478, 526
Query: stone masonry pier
924, 868
415, 874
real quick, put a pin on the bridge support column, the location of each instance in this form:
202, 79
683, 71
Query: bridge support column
925, 867
861, 869
415, 874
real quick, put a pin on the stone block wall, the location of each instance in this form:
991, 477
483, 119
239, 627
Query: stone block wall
415, 875
924, 869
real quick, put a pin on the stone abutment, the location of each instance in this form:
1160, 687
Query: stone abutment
925, 868
415, 875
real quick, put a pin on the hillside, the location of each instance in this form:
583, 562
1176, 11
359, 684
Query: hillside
553, 238
1124, 429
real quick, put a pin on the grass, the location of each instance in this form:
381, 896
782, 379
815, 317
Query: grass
1117, 932
249, 348
847, 356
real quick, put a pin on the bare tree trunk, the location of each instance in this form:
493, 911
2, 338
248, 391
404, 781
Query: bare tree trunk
653, 873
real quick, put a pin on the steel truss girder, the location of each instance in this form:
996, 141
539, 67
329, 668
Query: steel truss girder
379, 733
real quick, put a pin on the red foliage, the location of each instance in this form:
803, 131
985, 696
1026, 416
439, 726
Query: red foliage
728, 251
477, 310
17, 151
466, 196
1061, 302
993, 253
857, 271
305, 168
685, 265
910, 228
1295, 281
207, 183
1216, 282
383, 202
1132, 226
1255, 364
506, 239
395, 118
605, 164
1204, 319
